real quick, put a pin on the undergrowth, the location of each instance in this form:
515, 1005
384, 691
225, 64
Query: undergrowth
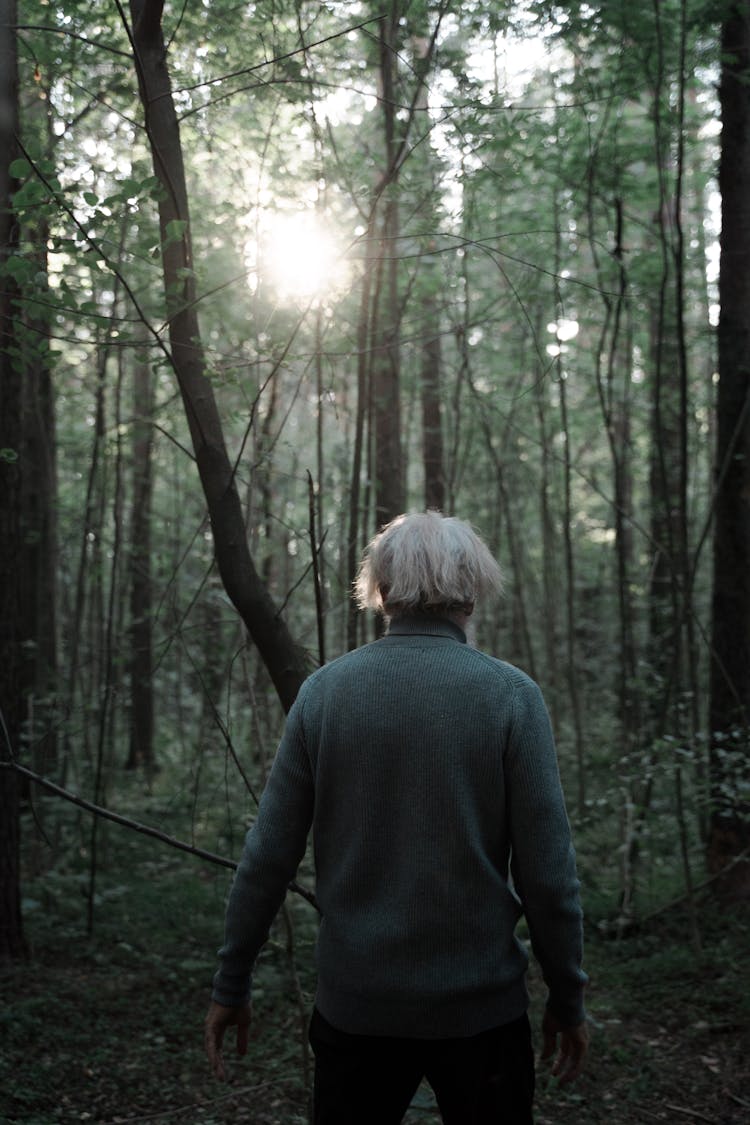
106, 1026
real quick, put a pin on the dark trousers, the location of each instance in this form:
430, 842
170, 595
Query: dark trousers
487, 1079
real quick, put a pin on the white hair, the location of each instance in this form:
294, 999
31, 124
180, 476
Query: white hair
425, 562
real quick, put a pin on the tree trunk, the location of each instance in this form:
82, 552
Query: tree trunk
668, 478
141, 751
729, 834
284, 660
431, 284
665, 482
356, 518
432, 426
39, 544
12, 946
389, 477
39, 482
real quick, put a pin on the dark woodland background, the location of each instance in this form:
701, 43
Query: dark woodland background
270, 274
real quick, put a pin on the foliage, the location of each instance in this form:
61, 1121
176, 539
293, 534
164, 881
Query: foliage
107, 1027
552, 188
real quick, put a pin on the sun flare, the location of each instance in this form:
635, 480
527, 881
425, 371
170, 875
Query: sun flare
302, 259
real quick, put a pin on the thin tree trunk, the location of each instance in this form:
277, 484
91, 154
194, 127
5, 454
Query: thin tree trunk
664, 485
89, 538
284, 660
432, 358
461, 331
615, 409
669, 453
319, 490
432, 424
107, 652
141, 748
358, 453
385, 390
568, 553
550, 570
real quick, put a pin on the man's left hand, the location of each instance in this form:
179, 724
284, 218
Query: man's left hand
218, 1019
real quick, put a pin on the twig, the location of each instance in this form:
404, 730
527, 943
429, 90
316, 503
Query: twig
690, 1113
242, 1090
743, 855
144, 829
221, 725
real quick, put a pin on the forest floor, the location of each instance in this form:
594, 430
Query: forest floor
107, 1028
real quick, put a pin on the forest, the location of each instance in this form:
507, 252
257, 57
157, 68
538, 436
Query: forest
272, 273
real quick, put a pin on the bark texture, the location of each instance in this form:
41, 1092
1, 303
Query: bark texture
12, 945
730, 669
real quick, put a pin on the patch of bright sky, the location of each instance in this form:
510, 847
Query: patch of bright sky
710, 129
712, 227
508, 64
504, 66
348, 103
296, 250
564, 329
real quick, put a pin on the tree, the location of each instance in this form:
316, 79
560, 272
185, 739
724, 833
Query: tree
38, 563
11, 929
286, 663
386, 363
141, 750
729, 716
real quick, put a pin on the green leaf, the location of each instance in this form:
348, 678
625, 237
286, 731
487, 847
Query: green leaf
20, 168
30, 195
91, 198
20, 268
158, 192
9, 456
175, 230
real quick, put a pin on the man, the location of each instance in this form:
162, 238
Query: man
428, 773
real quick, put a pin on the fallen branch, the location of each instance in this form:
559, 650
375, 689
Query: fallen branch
240, 1091
620, 925
144, 829
743, 855
690, 1113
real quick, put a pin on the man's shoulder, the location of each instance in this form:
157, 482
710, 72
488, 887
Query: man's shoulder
510, 673
340, 665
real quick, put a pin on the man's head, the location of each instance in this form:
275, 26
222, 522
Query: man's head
425, 563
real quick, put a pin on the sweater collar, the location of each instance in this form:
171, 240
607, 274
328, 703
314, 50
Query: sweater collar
424, 626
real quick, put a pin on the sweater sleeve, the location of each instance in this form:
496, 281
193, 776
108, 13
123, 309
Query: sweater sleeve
542, 856
273, 849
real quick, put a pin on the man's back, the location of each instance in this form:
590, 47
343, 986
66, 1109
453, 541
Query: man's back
410, 742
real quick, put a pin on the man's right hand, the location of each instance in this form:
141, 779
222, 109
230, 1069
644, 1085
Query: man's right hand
573, 1046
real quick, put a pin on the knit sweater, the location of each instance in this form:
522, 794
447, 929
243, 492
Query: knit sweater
427, 771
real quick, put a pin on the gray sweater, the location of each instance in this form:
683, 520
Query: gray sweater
428, 773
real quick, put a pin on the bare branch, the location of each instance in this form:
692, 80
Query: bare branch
143, 829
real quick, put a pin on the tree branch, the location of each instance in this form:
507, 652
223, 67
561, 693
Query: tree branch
144, 829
